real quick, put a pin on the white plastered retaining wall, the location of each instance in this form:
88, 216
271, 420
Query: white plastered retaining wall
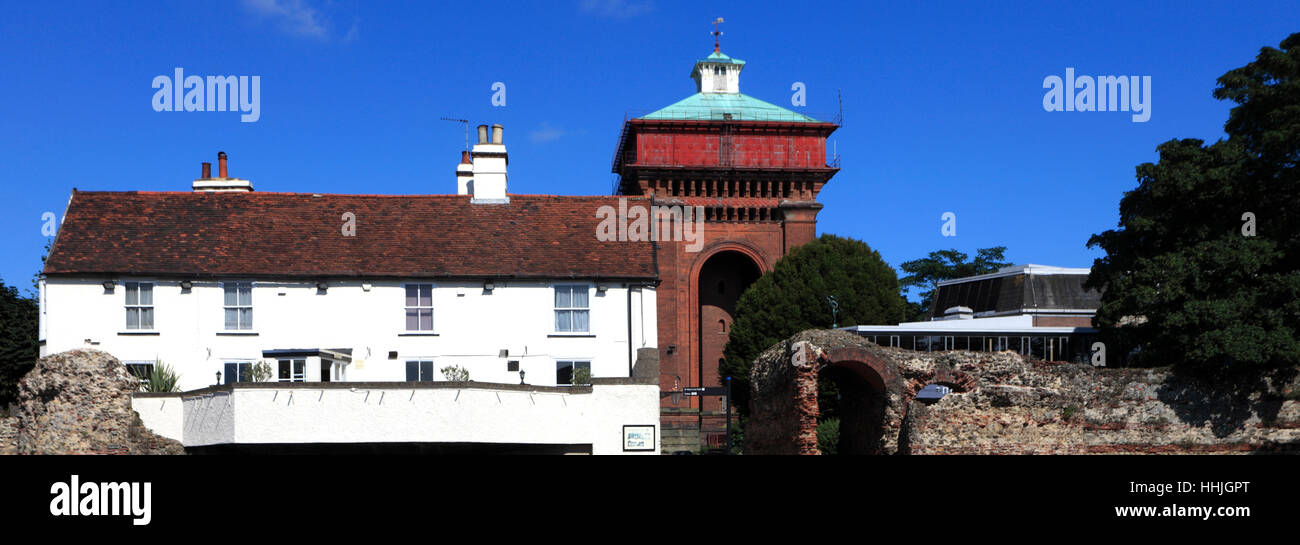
163, 414
422, 413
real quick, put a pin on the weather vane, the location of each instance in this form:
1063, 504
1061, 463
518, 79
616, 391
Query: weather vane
715, 34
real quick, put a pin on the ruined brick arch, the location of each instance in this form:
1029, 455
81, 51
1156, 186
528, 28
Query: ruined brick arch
882, 376
877, 388
866, 385
959, 382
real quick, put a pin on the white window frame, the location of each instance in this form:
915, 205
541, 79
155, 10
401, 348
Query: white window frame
555, 310
575, 362
418, 307
138, 306
239, 325
293, 376
225, 379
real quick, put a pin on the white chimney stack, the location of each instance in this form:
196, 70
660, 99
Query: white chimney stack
223, 183
489, 167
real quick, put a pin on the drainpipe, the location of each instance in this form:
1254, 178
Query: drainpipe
629, 329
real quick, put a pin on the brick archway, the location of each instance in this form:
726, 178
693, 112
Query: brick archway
864, 383
718, 276
784, 406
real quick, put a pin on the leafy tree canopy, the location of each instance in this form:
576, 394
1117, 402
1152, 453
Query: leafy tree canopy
792, 298
926, 272
18, 344
1204, 270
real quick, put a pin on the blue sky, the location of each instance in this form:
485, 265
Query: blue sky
942, 102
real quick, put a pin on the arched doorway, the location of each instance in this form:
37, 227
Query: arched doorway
721, 280
858, 403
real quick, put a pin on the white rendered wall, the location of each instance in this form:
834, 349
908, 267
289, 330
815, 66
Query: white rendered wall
470, 327
163, 415
384, 413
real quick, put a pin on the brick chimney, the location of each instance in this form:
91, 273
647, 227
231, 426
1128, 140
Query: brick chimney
464, 173
223, 183
489, 167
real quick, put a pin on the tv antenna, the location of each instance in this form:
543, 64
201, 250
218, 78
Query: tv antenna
464, 122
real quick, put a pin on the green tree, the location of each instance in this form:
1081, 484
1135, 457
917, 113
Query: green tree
940, 265
18, 340
792, 298
1204, 270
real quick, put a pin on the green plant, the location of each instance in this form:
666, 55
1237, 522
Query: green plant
259, 372
18, 344
581, 376
455, 373
161, 378
828, 436
1068, 412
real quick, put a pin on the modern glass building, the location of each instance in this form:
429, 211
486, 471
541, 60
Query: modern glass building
1039, 311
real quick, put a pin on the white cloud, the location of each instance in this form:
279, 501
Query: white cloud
293, 16
545, 133
618, 9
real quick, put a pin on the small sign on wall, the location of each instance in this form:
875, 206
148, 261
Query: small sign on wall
638, 438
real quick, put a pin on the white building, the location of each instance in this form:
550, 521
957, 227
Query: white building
1039, 311
515, 290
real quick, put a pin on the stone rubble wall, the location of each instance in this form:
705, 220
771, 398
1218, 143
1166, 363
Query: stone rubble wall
8, 436
1002, 403
79, 402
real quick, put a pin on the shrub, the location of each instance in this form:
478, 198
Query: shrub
455, 373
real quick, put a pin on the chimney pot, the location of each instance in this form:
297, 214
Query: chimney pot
223, 183
464, 158
483, 134
497, 131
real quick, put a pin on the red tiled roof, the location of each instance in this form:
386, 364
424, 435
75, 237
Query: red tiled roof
299, 234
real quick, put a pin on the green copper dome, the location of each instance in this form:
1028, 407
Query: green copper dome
727, 106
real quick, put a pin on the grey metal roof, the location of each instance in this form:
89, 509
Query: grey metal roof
1012, 293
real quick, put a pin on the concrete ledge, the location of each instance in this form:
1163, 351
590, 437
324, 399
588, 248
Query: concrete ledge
395, 386
157, 394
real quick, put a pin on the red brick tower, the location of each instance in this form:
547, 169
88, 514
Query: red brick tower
756, 169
